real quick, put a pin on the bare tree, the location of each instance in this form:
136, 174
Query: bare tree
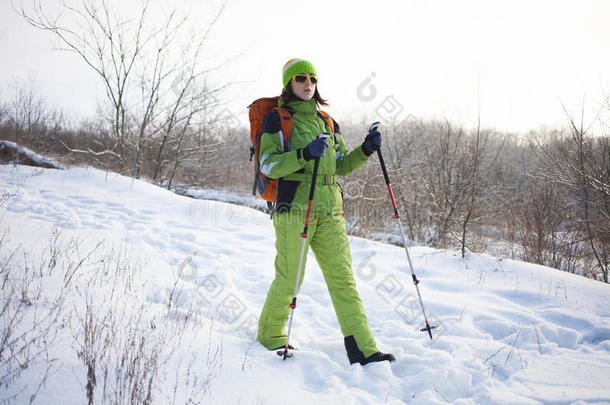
26, 116
581, 161
405, 162
3, 110
479, 186
186, 123
141, 65
540, 214
474, 186
445, 177
27, 110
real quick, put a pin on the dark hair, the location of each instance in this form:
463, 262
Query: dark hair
288, 96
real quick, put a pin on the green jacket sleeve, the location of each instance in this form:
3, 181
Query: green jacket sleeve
274, 162
346, 161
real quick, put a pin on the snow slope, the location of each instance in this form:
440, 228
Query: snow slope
508, 332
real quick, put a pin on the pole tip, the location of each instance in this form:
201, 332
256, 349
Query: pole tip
428, 329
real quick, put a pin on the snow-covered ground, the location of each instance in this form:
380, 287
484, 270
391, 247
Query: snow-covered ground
508, 332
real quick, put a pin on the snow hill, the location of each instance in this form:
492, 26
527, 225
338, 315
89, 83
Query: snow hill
188, 278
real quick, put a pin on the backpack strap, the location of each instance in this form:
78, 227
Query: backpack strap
285, 126
331, 124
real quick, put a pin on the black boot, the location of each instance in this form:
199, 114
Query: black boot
356, 356
373, 358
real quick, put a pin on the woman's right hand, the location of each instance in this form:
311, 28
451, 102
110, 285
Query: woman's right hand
315, 149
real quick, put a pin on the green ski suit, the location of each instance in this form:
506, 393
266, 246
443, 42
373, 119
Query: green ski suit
327, 234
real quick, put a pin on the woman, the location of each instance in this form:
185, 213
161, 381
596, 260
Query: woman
327, 235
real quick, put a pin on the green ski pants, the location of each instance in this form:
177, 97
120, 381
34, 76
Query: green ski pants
328, 240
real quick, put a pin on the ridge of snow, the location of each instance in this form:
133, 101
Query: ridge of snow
36, 159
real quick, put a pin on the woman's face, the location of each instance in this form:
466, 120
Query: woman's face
305, 90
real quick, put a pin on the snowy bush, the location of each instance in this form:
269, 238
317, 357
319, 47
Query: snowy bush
31, 316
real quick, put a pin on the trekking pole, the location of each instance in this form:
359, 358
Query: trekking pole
396, 215
293, 304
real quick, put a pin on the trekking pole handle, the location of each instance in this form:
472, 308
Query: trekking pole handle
324, 135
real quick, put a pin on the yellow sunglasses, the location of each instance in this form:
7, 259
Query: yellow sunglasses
303, 77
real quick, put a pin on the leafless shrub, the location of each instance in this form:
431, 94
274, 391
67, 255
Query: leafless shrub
28, 112
194, 374
128, 345
27, 119
544, 226
30, 314
134, 360
579, 161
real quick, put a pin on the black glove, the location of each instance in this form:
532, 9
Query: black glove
315, 149
371, 143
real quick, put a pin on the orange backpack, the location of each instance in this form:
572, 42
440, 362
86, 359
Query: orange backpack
258, 110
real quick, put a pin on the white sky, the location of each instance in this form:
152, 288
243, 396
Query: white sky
518, 60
